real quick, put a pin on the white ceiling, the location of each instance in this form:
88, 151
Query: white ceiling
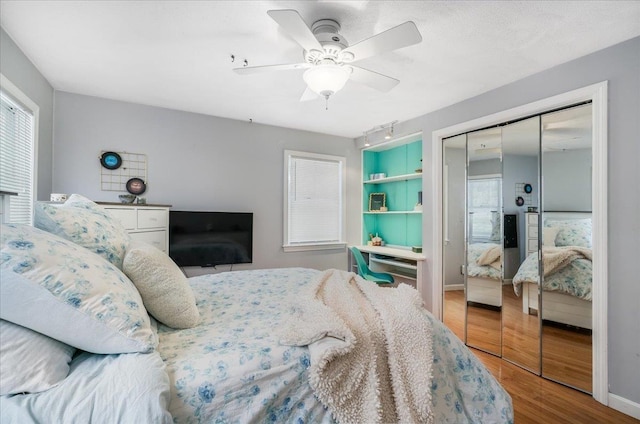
177, 54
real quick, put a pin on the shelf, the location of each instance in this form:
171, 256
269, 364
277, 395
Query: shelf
390, 212
398, 264
405, 177
404, 253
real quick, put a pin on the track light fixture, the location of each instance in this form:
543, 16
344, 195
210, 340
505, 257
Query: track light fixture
387, 129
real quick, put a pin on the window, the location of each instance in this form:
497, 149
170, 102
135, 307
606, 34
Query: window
485, 207
314, 210
17, 153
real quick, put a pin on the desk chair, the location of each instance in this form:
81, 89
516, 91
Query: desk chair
366, 273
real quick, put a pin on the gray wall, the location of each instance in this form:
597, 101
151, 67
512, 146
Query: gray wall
518, 169
620, 66
485, 167
198, 162
20, 71
567, 180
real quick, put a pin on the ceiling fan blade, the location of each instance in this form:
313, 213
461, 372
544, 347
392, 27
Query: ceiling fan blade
373, 79
403, 35
268, 68
292, 23
308, 95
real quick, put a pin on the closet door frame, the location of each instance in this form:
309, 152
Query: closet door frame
597, 94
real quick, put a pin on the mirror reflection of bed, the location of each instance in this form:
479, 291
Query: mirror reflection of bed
566, 298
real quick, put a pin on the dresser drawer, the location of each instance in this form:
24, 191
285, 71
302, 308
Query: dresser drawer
532, 219
152, 218
155, 238
533, 231
532, 245
126, 216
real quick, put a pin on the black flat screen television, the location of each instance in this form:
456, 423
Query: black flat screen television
210, 238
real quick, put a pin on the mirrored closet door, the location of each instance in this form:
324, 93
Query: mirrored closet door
522, 247
566, 226
484, 248
521, 326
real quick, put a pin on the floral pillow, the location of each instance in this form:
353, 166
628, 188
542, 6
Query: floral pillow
70, 294
87, 224
571, 232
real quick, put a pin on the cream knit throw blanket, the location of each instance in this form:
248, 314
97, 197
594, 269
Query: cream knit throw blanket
556, 258
370, 347
492, 257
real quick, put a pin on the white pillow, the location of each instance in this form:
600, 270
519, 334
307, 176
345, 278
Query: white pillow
30, 362
68, 293
164, 289
87, 224
549, 236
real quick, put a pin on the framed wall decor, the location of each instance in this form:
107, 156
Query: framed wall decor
377, 201
117, 168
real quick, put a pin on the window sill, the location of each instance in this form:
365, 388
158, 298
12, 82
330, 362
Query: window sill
307, 247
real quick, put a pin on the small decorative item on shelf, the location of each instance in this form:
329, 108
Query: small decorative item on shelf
377, 241
141, 200
416, 249
419, 170
418, 206
58, 197
377, 201
383, 209
127, 198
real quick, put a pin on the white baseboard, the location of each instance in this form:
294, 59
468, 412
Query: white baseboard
625, 406
452, 287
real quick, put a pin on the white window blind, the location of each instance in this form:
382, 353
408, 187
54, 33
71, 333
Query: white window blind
485, 207
16, 158
315, 200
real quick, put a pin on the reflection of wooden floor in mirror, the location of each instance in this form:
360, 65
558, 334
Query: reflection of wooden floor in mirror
520, 332
483, 328
535, 400
566, 356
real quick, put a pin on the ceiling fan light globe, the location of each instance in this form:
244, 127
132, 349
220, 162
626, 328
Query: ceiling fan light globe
326, 80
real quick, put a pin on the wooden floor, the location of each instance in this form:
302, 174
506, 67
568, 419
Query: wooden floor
535, 399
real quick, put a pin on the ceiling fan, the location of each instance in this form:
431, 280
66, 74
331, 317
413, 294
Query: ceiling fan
328, 57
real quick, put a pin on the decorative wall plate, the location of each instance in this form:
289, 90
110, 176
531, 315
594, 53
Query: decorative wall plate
110, 160
528, 188
136, 186
519, 201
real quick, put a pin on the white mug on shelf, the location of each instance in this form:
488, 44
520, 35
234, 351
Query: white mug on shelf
59, 197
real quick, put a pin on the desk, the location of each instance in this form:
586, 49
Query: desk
405, 265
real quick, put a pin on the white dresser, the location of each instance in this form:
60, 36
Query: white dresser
531, 232
148, 223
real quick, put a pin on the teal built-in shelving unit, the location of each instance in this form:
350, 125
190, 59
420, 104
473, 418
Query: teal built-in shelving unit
400, 161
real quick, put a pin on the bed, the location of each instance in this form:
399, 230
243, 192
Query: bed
484, 274
115, 333
568, 272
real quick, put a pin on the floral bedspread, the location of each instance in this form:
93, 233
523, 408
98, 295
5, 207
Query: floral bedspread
232, 369
574, 279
